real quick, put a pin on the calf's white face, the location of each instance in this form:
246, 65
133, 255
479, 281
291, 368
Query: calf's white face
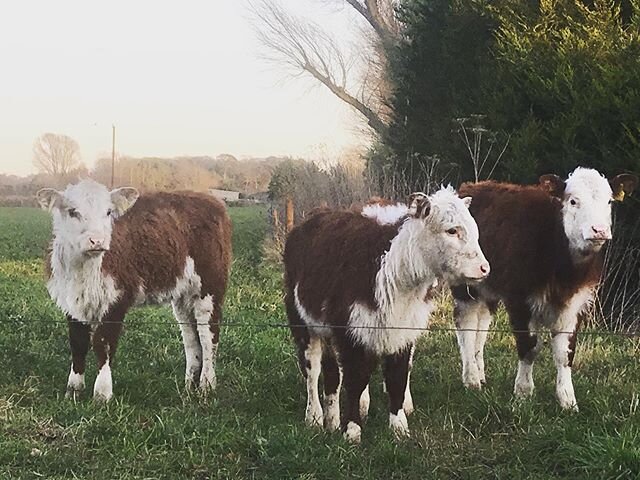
586, 205
453, 243
83, 215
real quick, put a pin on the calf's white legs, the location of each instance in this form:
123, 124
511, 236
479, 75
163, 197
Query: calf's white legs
195, 317
75, 383
191, 342
523, 387
471, 317
407, 404
313, 358
332, 411
484, 323
203, 312
564, 385
365, 401
398, 424
103, 387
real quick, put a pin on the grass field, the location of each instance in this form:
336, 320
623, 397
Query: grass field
253, 427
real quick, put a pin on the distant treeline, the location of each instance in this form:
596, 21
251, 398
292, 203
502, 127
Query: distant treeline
248, 176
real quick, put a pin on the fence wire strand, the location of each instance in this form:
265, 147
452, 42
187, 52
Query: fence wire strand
275, 325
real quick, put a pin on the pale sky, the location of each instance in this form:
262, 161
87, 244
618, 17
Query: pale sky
176, 78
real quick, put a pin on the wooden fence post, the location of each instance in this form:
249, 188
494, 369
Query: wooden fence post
289, 214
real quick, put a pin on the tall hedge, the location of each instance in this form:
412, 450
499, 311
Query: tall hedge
559, 79
555, 83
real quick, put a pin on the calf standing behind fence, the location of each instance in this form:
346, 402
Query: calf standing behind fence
545, 243
353, 280
113, 250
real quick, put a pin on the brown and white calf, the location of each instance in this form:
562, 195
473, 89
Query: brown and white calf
544, 243
113, 250
356, 292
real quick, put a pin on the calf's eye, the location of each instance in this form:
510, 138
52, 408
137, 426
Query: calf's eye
109, 212
572, 202
452, 231
73, 213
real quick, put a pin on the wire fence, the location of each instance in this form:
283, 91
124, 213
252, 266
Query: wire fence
315, 327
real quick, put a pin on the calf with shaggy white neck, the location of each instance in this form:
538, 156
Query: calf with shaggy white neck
357, 290
113, 250
544, 243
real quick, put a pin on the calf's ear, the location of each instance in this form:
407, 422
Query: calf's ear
419, 205
553, 184
622, 185
123, 199
48, 198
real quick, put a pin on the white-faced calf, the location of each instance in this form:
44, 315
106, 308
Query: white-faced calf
544, 243
113, 250
357, 288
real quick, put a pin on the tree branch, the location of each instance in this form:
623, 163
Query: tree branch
369, 10
372, 118
305, 48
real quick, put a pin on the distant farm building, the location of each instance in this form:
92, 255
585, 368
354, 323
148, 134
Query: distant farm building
260, 197
225, 195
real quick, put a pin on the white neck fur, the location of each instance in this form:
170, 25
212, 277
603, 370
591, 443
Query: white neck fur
403, 268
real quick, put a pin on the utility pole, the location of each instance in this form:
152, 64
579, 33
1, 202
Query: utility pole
113, 154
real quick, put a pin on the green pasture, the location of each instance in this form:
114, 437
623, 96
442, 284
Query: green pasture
253, 426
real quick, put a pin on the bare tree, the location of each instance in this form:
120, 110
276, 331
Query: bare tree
56, 154
380, 14
305, 48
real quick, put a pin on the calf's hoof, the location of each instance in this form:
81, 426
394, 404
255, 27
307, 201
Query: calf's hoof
570, 407
207, 388
313, 417
102, 397
567, 403
475, 384
103, 387
471, 379
332, 423
331, 419
191, 381
72, 394
208, 382
75, 385
399, 425
353, 433
523, 390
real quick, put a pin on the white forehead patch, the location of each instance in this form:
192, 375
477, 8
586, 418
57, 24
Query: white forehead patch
588, 183
87, 195
447, 208
385, 214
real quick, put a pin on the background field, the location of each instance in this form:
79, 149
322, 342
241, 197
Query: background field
253, 427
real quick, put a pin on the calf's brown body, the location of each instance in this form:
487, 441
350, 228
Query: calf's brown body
534, 272
167, 248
